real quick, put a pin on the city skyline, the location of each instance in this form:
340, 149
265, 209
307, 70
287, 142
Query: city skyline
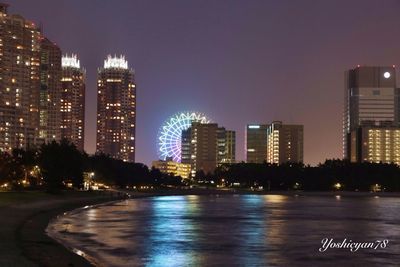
176, 74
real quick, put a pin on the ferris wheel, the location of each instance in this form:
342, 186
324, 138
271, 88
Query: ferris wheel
170, 134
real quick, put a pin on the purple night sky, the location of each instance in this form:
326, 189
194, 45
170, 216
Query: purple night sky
238, 62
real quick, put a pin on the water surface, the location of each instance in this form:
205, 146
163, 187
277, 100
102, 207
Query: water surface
234, 230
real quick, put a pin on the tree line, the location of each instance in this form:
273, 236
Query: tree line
333, 174
53, 165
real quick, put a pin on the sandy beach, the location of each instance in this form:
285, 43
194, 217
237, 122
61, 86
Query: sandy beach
24, 218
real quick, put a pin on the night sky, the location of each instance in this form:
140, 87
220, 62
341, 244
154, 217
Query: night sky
238, 62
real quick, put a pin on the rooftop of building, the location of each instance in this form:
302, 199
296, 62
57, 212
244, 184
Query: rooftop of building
71, 61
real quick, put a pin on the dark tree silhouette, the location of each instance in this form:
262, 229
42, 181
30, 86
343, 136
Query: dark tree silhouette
61, 162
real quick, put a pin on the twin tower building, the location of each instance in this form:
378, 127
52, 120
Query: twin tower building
42, 94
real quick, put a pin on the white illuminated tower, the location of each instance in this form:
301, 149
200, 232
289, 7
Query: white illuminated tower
116, 109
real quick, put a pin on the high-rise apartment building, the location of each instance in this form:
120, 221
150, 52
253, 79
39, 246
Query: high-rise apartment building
19, 81
256, 143
73, 101
50, 92
375, 144
285, 143
226, 142
371, 99
116, 109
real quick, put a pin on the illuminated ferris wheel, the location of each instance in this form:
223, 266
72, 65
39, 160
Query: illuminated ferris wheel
169, 137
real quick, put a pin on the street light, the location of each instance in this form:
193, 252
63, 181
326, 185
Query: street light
337, 186
91, 180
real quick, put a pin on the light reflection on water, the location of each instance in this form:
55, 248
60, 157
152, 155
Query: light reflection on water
172, 229
236, 230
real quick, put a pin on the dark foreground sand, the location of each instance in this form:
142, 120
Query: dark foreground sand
23, 219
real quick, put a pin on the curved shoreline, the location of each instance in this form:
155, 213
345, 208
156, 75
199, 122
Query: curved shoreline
79, 258
37, 248
70, 248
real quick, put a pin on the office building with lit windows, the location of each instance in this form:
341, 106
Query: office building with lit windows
169, 166
116, 109
375, 144
186, 146
226, 143
204, 147
210, 146
73, 101
50, 92
285, 143
19, 81
371, 100
230, 147
256, 143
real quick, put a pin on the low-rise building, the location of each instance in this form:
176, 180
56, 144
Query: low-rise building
171, 167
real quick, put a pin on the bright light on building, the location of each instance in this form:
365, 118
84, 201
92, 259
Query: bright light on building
70, 61
175, 168
386, 75
115, 62
254, 126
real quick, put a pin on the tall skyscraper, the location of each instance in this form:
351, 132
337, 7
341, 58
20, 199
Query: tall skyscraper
256, 143
285, 143
204, 147
73, 101
116, 109
371, 99
19, 81
50, 92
